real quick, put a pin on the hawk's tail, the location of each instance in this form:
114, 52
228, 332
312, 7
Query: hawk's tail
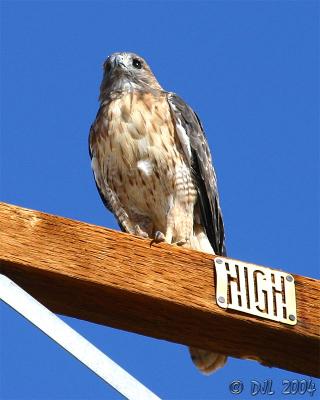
206, 361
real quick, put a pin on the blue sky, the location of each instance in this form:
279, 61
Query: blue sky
249, 69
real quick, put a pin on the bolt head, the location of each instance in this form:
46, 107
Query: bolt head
292, 317
289, 278
221, 299
218, 261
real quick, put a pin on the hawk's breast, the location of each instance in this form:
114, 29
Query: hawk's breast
140, 155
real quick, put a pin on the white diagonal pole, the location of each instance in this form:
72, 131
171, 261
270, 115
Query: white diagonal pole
72, 341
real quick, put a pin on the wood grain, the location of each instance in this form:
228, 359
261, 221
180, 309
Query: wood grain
163, 291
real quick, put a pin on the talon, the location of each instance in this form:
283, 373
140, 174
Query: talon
158, 238
181, 242
139, 232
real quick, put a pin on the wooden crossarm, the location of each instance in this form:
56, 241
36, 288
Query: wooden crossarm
112, 278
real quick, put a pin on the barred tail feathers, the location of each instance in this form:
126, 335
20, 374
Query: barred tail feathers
206, 361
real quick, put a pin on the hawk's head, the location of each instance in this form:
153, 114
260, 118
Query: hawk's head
127, 71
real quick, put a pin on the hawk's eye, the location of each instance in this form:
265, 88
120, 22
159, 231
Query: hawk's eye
136, 63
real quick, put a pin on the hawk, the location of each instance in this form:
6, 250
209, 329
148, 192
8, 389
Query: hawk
152, 166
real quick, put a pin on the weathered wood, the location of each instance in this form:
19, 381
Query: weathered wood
112, 278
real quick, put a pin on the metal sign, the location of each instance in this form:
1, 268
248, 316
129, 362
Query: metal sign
255, 290
73, 342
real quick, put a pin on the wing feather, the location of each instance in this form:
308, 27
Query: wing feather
196, 149
107, 195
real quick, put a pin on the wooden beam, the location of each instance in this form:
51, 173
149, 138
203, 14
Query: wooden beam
163, 291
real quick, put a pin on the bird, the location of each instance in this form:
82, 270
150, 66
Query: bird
153, 168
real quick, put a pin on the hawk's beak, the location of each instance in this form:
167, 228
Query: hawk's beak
118, 62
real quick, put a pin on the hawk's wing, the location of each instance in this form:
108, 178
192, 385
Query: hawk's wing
108, 196
196, 149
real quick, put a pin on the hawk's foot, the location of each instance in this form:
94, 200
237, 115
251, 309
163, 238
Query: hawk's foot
184, 242
139, 232
159, 237
181, 242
